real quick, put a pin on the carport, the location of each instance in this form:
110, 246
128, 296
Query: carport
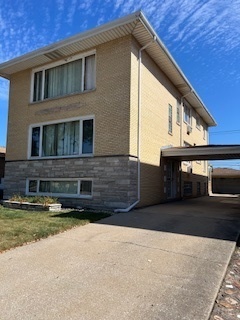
206, 152
195, 153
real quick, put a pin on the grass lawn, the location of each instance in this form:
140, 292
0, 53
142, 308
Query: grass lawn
19, 226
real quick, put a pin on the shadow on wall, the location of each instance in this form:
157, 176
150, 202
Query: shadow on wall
209, 217
159, 184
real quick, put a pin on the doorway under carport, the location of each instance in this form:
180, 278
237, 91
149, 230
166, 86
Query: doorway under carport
196, 153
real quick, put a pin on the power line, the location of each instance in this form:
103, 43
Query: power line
226, 132
226, 165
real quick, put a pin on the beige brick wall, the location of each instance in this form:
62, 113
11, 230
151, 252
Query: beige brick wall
196, 138
109, 103
114, 104
157, 93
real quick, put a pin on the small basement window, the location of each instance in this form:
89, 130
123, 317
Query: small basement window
60, 187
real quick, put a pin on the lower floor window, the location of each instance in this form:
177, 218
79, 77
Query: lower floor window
74, 187
187, 188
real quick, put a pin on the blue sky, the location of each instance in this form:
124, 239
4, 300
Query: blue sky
202, 36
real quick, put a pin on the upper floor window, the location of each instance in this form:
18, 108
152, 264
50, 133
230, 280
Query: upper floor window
204, 133
178, 112
187, 114
59, 79
68, 138
170, 119
198, 122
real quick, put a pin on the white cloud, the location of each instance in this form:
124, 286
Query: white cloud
4, 89
71, 11
183, 25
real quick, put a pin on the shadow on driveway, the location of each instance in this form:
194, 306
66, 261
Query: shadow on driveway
210, 217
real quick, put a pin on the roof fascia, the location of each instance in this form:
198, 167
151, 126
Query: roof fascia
163, 47
62, 43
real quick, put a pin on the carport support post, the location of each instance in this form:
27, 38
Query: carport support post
180, 179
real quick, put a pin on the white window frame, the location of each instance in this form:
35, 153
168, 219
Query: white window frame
62, 195
198, 122
170, 119
59, 63
190, 115
204, 132
42, 124
178, 112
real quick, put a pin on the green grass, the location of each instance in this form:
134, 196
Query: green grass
18, 227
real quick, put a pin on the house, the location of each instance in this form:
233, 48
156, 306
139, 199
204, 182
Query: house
89, 117
226, 180
2, 168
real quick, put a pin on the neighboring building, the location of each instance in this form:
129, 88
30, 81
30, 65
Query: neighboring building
2, 169
226, 180
89, 115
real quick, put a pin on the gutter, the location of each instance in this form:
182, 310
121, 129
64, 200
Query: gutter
147, 25
139, 126
71, 40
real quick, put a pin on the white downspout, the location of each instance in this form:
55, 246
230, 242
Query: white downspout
139, 126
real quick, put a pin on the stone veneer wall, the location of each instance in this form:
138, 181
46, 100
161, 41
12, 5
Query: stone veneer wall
114, 178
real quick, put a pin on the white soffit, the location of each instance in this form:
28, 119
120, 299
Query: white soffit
135, 24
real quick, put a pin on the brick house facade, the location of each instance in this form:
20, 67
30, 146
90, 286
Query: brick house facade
96, 142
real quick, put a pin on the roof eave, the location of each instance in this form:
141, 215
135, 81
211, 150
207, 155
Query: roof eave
208, 117
62, 43
137, 16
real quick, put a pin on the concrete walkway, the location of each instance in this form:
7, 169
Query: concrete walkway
162, 262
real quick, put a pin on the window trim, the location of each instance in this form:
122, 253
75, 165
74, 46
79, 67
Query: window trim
198, 126
62, 195
56, 64
204, 133
170, 119
190, 115
178, 112
187, 186
42, 124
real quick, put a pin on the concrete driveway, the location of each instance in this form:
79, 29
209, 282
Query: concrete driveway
162, 262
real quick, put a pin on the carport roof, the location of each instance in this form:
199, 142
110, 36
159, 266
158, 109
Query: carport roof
206, 152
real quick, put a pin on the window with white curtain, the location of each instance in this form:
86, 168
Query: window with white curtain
62, 78
66, 138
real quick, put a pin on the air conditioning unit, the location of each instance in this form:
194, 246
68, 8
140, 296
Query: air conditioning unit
189, 129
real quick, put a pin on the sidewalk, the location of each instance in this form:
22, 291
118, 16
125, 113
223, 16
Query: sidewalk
161, 262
